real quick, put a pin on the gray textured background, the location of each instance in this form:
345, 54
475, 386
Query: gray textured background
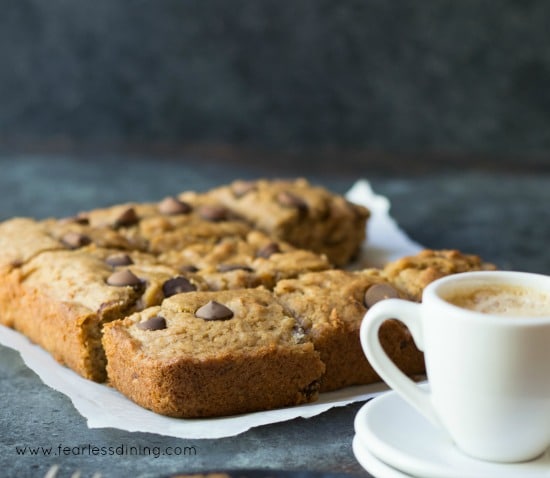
369, 74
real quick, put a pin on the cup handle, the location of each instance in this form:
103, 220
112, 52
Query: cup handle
408, 313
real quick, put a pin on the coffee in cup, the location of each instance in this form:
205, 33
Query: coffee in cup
506, 300
486, 342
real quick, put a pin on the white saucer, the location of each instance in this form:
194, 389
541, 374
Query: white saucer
399, 436
372, 464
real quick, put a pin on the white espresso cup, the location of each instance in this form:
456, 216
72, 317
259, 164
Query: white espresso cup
486, 342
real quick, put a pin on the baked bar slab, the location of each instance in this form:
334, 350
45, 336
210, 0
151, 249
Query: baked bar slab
306, 216
207, 354
331, 305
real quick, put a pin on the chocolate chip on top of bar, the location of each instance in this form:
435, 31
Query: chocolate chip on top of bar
177, 285
172, 206
153, 323
214, 311
124, 278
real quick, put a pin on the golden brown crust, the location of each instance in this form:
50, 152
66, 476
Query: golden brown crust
10, 292
69, 332
223, 386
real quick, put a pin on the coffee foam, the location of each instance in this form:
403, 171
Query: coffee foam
502, 300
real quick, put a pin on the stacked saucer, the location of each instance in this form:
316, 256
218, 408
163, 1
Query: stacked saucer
393, 440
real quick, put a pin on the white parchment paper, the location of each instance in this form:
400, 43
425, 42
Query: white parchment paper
104, 407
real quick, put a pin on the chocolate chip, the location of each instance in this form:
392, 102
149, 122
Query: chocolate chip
214, 311
378, 292
233, 267
188, 268
268, 250
74, 240
122, 278
78, 219
171, 206
127, 218
177, 285
120, 259
82, 219
212, 212
241, 188
154, 323
288, 199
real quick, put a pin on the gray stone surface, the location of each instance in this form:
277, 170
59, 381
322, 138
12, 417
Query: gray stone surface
415, 76
501, 216
34, 415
